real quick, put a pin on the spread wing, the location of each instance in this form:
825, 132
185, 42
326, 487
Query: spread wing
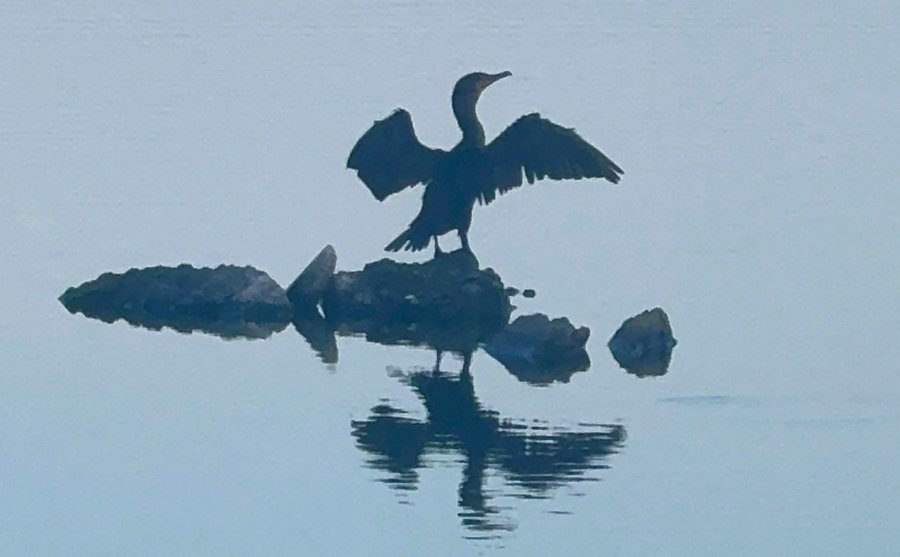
540, 149
389, 157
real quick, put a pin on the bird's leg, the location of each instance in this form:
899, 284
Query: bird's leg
464, 238
437, 248
437, 362
467, 363
465, 376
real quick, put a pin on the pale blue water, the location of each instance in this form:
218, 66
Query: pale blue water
759, 208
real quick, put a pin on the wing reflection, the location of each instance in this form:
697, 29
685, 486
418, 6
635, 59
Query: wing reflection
531, 457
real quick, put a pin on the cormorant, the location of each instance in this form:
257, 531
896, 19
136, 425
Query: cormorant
389, 158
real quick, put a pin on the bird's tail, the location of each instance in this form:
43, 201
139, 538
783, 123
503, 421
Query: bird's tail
413, 238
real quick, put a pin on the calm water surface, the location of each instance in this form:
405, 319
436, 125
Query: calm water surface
759, 208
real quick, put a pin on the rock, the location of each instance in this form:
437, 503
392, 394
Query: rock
529, 293
227, 301
538, 350
447, 302
310, 286
511, 291
643, 344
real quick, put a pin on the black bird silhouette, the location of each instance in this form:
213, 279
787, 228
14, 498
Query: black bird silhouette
389, 158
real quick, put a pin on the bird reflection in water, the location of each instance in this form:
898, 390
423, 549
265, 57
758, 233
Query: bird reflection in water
533, 457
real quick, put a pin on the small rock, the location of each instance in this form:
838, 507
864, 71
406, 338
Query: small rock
643, 344
310, 286
511, 291
539, 350
529, 293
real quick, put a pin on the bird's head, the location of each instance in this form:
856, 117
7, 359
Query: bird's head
465, 95
474, 83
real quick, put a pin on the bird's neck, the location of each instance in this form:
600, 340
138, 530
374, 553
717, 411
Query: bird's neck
464, 110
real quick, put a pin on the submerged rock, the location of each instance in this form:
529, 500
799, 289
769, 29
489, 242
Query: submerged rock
448, 302
643, 344
539, 350
310, 286
227, 301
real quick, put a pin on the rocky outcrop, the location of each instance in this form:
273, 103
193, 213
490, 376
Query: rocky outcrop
539, 350
227, 301
643, 344
448, 302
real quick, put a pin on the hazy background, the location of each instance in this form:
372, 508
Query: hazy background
759, 208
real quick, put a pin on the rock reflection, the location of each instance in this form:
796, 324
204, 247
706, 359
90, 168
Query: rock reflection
319, 334
643, 344
532, 457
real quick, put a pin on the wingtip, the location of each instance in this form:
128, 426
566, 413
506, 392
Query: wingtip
615, 175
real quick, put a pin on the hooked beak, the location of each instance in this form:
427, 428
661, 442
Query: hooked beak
497, 77
487, 79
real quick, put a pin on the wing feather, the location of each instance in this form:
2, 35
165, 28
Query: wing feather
389, 158
538, 148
